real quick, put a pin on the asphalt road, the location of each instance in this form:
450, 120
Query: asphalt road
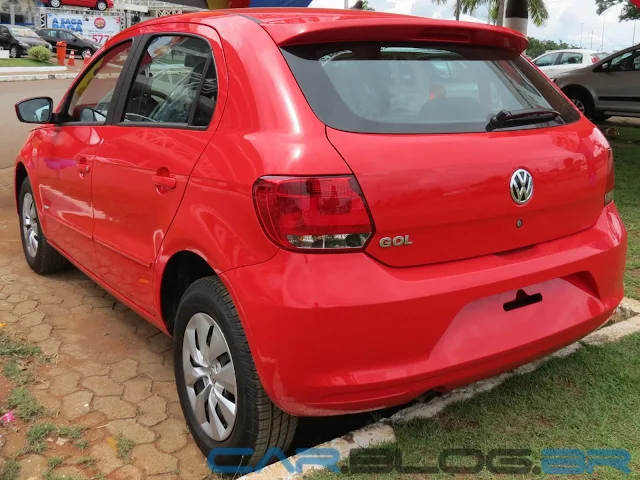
12, 132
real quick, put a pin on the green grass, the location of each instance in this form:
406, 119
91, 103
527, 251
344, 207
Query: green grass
10, 470
627, 161
86, 461
26, 406
23, 62
586, 401
124, 447
13, 372
17, 348
54, 462
82, 444
73, 432
36, 436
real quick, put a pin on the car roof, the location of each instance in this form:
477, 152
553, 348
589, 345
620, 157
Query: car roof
310, 25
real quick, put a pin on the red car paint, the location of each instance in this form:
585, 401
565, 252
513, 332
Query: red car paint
93, 4
343, 332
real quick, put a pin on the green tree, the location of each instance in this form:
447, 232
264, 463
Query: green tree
538, 12
629, 10
538, 47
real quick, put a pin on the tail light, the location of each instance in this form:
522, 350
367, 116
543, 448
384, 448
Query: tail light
611, 179
313, 213
594, 59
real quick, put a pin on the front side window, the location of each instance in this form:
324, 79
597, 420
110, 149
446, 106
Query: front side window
92, 98
382, 88
169, 86
629, 61
571, 58
546, 60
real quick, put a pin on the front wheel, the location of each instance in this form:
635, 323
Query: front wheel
13, 52
41, 257
222, 398
583, 102
55, 3
101, 5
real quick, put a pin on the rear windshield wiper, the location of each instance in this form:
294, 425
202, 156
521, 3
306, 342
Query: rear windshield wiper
526, 116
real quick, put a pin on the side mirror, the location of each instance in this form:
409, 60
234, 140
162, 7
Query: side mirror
35, 110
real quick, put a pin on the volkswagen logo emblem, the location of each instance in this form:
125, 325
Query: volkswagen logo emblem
521, 186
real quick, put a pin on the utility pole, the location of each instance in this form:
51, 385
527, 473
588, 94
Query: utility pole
591, 39
602, 44
633, 42
581, 28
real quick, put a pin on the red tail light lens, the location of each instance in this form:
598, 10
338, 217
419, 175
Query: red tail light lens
594, 58
318, 213
611, 180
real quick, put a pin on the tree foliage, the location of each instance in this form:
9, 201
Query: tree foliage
629, 10
538, 12
538, 47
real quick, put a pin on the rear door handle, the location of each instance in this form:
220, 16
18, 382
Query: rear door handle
83, 167
164, 182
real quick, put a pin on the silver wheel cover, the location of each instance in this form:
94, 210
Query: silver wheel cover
209, 376
30, 230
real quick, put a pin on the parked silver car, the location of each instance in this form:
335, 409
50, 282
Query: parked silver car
610, 87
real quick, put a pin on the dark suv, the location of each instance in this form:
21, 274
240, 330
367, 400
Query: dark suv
82, 46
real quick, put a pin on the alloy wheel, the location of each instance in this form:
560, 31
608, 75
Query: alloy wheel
209, 376
579, 104
13, 52
30, 230
102, 6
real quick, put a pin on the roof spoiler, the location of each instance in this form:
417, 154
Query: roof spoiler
394, 28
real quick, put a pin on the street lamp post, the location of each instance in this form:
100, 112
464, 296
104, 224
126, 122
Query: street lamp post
581, 28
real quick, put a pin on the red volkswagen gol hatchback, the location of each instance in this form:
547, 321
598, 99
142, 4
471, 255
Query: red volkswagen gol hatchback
329, 211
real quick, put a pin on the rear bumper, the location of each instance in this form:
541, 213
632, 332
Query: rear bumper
336, 334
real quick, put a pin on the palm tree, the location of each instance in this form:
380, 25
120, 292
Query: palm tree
537, 9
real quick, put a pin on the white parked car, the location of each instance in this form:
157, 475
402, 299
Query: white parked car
561, 61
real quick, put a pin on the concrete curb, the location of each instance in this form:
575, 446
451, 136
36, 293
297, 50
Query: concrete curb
23, 70
37, 76
382, 432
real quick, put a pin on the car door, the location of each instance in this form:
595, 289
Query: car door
49, 36
65, 168
568, 61
547, 62
71, 40
619, 83
146, 157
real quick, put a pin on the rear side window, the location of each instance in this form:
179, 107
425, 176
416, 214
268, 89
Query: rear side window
386, 88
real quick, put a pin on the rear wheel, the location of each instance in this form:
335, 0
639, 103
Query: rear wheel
222, 398
583, 101
41, 257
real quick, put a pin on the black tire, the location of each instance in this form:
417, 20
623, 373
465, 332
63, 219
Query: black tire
101, 5
259, 424
47, 259
582, 100
14, 51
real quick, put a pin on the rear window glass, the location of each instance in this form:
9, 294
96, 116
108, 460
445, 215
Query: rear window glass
389, 88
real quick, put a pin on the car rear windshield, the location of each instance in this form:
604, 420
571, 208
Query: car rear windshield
417, 88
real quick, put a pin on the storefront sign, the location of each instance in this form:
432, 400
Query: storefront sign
98, 28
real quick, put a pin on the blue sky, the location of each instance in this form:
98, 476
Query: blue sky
565, 23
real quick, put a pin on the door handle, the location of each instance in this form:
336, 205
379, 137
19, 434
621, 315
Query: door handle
83, 167
164, 182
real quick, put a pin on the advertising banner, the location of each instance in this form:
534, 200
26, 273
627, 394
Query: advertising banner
98, 28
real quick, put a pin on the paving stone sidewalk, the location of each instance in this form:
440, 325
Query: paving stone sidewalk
112, 371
